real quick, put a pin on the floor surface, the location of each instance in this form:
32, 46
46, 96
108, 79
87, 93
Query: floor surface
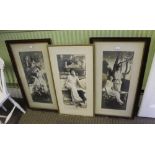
52, 117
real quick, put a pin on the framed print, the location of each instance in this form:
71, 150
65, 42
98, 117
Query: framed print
72, 68
119, 71
147, 107
31, 63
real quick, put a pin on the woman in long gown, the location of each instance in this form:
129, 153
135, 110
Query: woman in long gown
118, 79
110, 90
77, 92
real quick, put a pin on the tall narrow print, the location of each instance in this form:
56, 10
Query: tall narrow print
116, 75
36, 77
72, 71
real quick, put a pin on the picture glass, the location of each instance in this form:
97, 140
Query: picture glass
116, 76
72, 74
34, 69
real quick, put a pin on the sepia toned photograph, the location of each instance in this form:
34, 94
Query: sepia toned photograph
72, 72
116, 75
33, 65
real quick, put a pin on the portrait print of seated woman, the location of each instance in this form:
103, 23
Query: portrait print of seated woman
116, 80
77, 91
112, 91
112, 83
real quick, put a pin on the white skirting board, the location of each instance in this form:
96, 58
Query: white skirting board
15, 92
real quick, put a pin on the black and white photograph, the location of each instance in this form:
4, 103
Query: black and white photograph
72, 71
72, 68
116, 75
33, 65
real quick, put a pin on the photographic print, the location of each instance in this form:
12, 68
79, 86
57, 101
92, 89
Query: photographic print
116, 76
72, 68
72, 72
31, 64
119, 71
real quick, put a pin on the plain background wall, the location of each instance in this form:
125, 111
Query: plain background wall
70, 37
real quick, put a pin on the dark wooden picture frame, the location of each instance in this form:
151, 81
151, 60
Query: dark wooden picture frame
33, 43
146, 41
